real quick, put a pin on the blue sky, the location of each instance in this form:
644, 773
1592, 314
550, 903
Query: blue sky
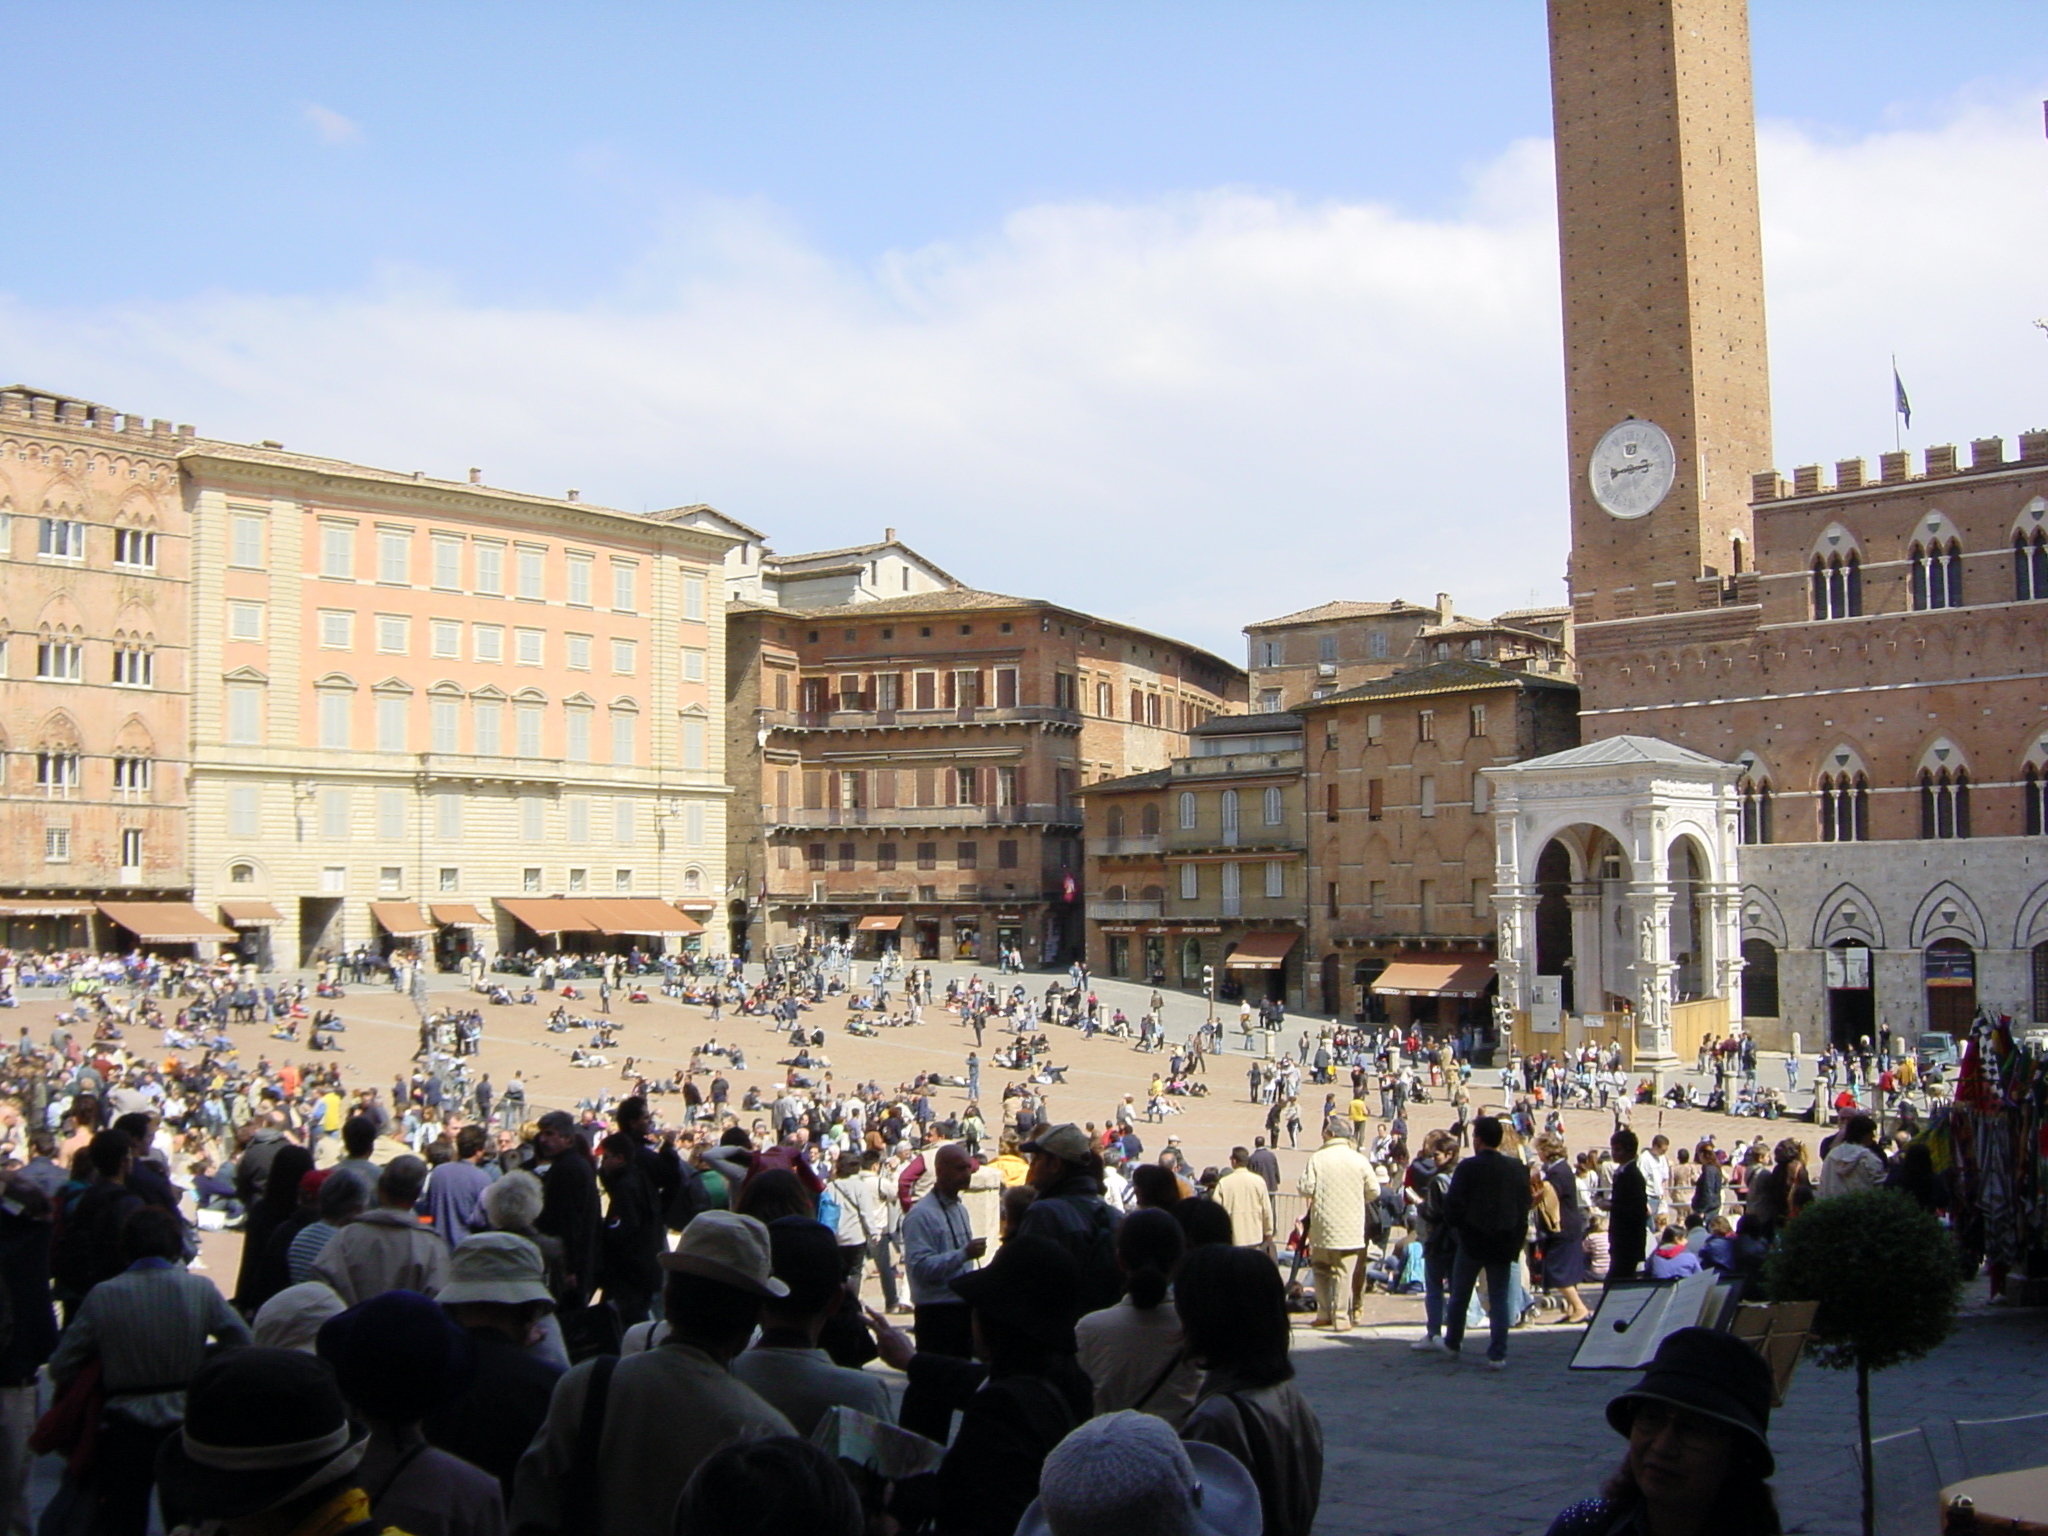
1119, 271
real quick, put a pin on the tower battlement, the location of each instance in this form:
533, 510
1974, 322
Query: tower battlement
1937, 462
19, 403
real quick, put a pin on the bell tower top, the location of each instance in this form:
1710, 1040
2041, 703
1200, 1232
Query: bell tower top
1667, 387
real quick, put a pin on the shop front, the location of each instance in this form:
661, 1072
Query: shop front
1441, 995
252, 922
877, 934
1010, 928
457, 925
165, 926
967, 939
401, 927
1257, 963
927, 938
42, 927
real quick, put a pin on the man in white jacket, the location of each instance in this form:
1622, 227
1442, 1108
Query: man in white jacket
1339, 1184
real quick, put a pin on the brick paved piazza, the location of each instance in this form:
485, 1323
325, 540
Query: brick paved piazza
1416, 1445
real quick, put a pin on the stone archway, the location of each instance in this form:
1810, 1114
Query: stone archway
1650, 833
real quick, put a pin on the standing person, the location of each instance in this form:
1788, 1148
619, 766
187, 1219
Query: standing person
1245, 1198
569, 1206
455, 1190
633, 1236
1233, 1308
1428, 1180
665, 1410
1135, 1352
939, 1246
1265, 1164
1487, 1207
25, 1276
497, 1293
1564, 1251
1628, 1206
386, 1248
1070, 1210
1339, 1184
398, 1357
148, 1328
785, 1365
1706, 1190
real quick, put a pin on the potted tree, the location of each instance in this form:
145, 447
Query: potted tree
1884, 1274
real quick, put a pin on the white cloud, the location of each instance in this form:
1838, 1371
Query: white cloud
331, 126
1191, 412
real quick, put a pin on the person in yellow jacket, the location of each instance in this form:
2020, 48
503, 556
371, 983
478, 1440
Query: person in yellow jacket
1340, 1185
1013, 1165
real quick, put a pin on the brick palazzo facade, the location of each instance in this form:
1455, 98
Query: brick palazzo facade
1825, 699
906, 768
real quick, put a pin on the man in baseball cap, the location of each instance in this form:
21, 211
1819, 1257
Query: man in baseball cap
1070, 1210
664, 1411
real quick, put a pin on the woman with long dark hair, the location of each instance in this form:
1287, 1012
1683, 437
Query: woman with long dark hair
258, 1279
1698, 1458
1233, 1307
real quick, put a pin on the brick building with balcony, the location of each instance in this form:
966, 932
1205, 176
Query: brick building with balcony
906, 768
1401, 837
1200, 865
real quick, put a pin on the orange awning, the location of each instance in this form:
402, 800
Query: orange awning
551, 914
642, 916
165, 922
1436, 976
250, 914
1261, 952
878, 924
400, 919
457, 914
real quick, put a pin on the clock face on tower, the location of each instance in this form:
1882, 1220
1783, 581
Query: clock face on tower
1632, 468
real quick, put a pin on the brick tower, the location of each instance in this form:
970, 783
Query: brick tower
1663, 298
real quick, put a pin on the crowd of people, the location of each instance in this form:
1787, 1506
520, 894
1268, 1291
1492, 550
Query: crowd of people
595, 1323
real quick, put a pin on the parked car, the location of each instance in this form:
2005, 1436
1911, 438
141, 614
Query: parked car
1937, 1053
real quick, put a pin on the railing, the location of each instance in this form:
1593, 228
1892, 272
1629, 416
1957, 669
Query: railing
872, 719
921, 816
1250, 838
1110, 847
1126, 911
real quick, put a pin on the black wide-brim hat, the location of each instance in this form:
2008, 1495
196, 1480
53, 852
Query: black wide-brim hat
1712, 1374
262, 1427
1032, 1285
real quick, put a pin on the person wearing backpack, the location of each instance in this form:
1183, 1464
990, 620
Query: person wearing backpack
1070, 1210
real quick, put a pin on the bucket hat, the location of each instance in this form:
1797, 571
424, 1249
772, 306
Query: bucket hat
500, 1267
262, 1428
1712, 1374
1029, 1286
1128, 1472
729, 1248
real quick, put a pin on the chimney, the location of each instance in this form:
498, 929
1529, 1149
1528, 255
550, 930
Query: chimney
575, 495
1444, 613
476, 476
888, 535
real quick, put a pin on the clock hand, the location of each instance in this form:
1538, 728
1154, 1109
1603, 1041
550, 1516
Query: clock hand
1628, 469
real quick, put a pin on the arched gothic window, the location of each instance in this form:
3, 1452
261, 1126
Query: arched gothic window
1844, 808
1756, 810
1945, 803
1837, 586
1937, 574
2030, 566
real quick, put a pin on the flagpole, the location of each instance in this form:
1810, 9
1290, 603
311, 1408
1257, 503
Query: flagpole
1898, 436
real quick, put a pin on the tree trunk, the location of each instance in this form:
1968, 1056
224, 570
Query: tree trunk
1863, 1428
